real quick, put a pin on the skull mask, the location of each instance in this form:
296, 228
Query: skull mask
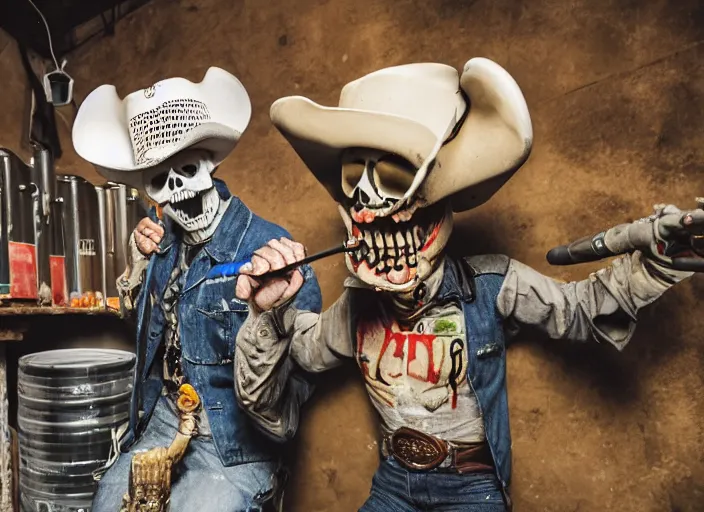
183, 186
402, 249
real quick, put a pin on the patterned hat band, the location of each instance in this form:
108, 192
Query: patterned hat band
155, 131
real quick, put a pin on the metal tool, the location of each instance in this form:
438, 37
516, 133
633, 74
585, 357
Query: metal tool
233, 269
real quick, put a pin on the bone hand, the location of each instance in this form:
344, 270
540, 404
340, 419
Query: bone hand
150, 481
186, 430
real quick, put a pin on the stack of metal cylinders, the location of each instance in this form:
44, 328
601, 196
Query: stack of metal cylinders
70, 405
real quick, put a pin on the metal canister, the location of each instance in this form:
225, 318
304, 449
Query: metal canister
18, 258
82, 240
57, 256
123, 210
69, 405
103, 228
44, 192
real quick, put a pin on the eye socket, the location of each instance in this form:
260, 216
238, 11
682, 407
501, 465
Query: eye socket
352, 172
393, 176
189, 170
159, 180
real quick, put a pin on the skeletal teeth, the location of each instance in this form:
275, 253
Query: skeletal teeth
417, 237
400, 242
389, 240
412, 260
378, 240
368, 239
409, 238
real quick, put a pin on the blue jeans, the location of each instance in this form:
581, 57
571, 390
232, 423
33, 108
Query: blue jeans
200, 482
395, 489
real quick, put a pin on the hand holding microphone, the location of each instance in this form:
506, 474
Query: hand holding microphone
673, 237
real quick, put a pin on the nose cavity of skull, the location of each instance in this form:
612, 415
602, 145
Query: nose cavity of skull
175, 183
170, 185
365, 193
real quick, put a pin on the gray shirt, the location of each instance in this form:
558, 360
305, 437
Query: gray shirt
602, 307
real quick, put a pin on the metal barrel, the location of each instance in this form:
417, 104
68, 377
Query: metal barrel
124, 209
44, 192
57, 256
103, 228
18, 263
70, 404
81, 223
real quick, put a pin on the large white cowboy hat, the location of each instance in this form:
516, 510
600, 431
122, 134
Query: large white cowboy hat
465, 134
124, 136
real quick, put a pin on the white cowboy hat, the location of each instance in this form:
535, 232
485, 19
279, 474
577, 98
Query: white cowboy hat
122, 136
464, 147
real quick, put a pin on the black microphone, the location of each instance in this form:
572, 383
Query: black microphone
589, 248
593, 248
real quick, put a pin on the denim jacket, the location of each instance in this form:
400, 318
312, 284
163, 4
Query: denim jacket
209, 318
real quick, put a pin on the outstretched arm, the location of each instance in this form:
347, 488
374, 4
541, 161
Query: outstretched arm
603, 306
280, 338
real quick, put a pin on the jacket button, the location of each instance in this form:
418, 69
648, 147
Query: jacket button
263, 332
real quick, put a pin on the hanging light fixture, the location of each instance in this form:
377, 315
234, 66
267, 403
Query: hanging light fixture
58, 85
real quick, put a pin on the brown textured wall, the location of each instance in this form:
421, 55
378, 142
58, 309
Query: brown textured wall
13, 97
616, 91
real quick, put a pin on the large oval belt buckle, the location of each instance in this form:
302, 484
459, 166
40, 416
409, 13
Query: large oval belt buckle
417, 451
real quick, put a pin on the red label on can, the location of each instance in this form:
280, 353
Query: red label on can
23, 270
58, 280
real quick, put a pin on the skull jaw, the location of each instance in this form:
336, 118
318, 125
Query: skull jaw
202, 223
404, 277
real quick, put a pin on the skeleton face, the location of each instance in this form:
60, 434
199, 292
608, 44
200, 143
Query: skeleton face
183, 186
402, 249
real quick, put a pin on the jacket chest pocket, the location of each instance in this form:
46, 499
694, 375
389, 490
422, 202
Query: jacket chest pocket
211, 330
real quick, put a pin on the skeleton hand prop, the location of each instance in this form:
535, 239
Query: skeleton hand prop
150, 482
673, 237
272, 292
150, 472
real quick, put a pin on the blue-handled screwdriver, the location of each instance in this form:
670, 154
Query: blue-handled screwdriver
233, 268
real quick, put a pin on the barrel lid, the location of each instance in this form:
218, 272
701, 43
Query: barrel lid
76, 361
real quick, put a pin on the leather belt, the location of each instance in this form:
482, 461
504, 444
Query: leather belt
418, 451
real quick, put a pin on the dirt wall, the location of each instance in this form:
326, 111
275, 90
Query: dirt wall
616, 93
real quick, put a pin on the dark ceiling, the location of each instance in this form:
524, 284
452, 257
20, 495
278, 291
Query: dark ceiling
22, 21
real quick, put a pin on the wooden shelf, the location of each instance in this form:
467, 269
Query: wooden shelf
32, 309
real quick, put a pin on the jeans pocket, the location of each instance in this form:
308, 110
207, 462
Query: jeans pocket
476, 489
270, 499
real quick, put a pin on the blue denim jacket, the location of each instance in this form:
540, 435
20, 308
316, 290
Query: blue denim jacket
486, 370
209, 317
